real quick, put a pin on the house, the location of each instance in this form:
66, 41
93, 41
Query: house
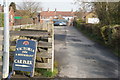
22, 17
88, 17
50, 15
80, 14
11, 15
91, 17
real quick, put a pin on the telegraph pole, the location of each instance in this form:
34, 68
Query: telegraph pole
6, 41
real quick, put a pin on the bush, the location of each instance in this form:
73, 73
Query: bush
47, 73
1, 19
108, 35
80, 21
111, 34
106, 32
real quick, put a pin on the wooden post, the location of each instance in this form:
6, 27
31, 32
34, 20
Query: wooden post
52, 47
51, 50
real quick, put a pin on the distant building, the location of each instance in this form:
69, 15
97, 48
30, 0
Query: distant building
91, 18
88, 17
22, 18
50, 15
11, 15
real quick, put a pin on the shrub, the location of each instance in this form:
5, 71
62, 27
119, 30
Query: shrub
109, 34
1, 19
106, 32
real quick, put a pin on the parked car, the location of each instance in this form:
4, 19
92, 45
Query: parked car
60, 23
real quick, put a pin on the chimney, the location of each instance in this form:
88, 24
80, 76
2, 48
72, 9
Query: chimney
41, 9
48, 10
72, 13
55, 9
71, 10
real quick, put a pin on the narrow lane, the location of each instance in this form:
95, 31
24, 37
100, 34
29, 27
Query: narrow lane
79, 57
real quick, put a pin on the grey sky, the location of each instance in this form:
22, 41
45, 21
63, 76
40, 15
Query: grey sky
60, 5
64, 6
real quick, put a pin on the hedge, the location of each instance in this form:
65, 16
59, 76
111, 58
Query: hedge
108, 35
1, 19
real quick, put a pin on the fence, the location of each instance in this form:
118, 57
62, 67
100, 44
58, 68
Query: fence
44, 35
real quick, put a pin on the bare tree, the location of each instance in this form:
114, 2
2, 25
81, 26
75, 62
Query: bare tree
84, 6
28, 11
108, 12
29, 8
13, 5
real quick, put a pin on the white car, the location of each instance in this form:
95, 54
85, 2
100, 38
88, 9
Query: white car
60, 24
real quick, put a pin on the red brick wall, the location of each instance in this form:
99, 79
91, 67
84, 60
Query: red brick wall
11, 17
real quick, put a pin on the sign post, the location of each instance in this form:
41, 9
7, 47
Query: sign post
5, 70
25, 56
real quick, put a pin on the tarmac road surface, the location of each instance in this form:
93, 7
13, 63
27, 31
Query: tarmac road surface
79, 57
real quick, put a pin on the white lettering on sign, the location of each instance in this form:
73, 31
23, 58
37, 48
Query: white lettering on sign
26, 55
24, 51
23, 61
25, 48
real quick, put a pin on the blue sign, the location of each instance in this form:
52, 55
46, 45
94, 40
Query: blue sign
25, 55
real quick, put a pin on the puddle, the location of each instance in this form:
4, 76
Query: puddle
81, 45
71, 36
76, 40
87, 45
65, 48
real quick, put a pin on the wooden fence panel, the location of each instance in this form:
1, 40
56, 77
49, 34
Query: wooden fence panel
44, 35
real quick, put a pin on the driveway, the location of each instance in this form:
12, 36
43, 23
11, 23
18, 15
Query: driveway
79, 57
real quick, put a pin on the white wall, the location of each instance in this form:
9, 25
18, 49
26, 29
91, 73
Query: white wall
93, 20
67, 17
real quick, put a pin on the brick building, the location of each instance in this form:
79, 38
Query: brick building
50, 15
11, 15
